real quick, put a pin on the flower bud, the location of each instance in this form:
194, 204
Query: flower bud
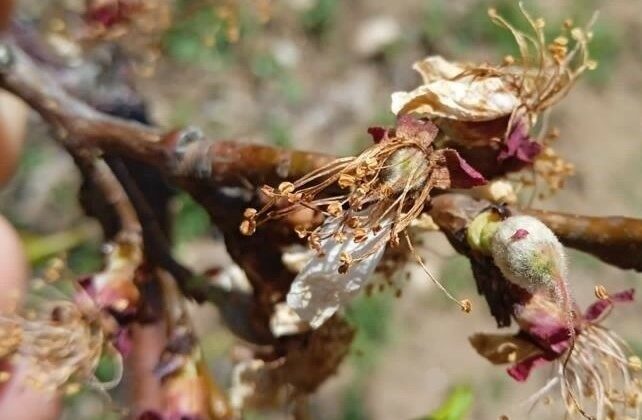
529, 254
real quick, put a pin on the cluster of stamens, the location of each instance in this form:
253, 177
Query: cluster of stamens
601, 375
384, 188
545, 71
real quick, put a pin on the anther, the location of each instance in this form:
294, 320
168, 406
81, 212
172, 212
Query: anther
601, 293
286, 188
466, 305
247, 227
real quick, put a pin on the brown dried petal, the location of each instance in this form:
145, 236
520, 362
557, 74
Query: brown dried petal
452, 171
501, 349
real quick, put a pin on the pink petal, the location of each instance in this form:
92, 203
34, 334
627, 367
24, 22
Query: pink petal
521, 370
462, 175
123, 341
596, 310
519, 150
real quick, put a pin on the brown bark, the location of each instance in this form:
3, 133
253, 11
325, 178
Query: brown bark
613, 239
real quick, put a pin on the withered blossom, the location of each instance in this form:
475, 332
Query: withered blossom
114, 287
58, 346
60, 343
368, 202
272, 379
497, 106
186, 390
598, 374
594, 368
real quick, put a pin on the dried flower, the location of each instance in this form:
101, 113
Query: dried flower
490, 106
380, 193
319, 290
114, 287
587, 373
57, 345
465, 92
305, 364
186, 389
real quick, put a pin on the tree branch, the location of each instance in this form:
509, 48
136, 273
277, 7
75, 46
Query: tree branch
614, 240
180, 153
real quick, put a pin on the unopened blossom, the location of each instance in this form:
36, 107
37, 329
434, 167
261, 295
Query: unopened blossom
367, 202
528, 255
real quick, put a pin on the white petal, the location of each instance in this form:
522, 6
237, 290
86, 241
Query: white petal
463, 99
284, 321
435, 67
320, 290
295, 257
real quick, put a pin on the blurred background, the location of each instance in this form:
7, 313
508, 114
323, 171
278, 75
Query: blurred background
314, 75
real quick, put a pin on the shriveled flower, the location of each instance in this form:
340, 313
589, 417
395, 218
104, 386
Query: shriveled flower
114, 288
497, 106
598, 374
56, 346
368, 201
302, 365
187, 390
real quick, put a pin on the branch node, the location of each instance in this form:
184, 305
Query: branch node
185, 138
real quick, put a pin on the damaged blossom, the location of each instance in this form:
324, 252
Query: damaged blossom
497, 106
367, 202
594, 368
598, 373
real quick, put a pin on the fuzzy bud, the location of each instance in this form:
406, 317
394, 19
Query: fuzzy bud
529, 254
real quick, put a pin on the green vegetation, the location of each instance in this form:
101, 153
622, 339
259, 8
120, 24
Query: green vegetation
473, 28
456, 406
191, 221
371, 317
319, 18
197, 37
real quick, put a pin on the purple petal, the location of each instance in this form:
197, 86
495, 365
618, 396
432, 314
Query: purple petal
544, 324
521, 370
596, 310
150, 415
123, 341
623, 296
519, 149
107, 15
462, 175
377, 133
